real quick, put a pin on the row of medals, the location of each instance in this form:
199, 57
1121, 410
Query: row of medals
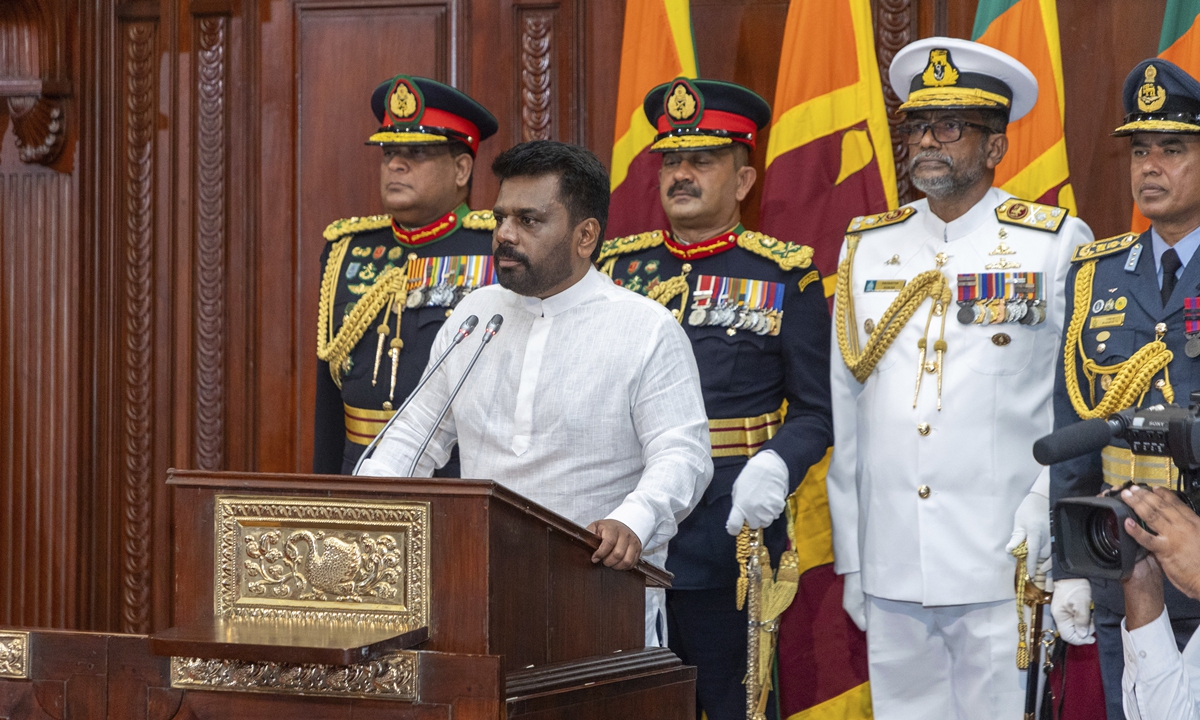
999, 310
437, 296
734, 316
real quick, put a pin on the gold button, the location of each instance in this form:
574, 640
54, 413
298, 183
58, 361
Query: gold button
869, 326
1103, 335
731, 332
1100, 347
923, 491
1105, 382
1160, 328
687, 267
1001, 339
923, 428
449, 313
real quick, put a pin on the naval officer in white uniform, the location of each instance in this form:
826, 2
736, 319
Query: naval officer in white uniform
947, 325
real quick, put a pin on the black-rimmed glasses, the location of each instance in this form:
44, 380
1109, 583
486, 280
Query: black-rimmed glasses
944, 131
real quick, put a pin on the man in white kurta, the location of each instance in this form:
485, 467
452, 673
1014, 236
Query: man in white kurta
587, 402
932, 481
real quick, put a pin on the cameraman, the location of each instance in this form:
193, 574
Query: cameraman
1128, 343
1158, 679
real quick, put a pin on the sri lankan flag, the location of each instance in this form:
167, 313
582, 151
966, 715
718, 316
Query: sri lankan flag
656, 48
829, 159
830, 154
1179, 43
1035, 167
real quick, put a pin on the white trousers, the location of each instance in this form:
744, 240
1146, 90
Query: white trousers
944, 662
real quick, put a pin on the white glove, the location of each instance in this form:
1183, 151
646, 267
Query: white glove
759, 493
1032, 524
1071, 607
854, 601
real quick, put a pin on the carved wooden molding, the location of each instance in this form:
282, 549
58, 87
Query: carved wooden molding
33, 76
537, 29
211, 188
137, 97
894, 30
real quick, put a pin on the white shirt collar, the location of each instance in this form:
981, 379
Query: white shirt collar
592, 282
969, 222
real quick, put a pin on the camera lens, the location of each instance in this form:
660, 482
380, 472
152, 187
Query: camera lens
1104, 535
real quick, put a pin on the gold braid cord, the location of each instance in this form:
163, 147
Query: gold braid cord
929, 284
666, 291
743, 556
1021, 552
1132, 377
335, 349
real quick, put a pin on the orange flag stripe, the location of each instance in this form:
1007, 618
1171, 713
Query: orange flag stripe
1036, 160
815, 59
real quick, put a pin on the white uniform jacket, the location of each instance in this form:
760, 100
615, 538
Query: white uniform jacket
922, 500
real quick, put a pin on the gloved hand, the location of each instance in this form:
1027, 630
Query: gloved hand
1071, 607
1032, 524
854, 600
759, 492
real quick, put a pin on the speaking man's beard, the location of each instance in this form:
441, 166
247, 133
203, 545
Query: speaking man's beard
534, 280
949, 184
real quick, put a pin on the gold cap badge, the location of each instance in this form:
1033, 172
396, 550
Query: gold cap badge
684, 104
1151, 95
940, 71
405, 103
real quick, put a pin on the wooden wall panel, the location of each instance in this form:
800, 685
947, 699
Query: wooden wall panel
40, 307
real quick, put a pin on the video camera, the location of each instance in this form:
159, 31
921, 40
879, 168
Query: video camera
1090, 535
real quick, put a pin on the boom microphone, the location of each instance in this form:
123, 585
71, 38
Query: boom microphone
464, 330
489, 332
1075, 440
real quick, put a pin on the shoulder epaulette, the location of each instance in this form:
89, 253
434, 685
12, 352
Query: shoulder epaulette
1047, 218
630, 243
1100, 248
349, 226
789, 255
479, 220
878, 220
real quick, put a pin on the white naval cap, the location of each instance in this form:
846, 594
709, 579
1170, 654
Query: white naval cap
952, 74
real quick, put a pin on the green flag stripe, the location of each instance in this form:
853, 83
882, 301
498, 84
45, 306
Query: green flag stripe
989, 10
1177, 20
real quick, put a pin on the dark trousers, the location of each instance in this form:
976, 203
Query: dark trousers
705, 629
1112, 656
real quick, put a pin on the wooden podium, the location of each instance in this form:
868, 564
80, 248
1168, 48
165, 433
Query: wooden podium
369, 597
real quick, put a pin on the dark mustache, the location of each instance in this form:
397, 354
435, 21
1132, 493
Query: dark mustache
505, 251
685, 187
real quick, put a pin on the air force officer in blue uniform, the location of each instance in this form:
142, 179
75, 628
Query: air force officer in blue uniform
1133, 304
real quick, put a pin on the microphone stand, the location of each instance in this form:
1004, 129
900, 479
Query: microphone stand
464, 330
489, 332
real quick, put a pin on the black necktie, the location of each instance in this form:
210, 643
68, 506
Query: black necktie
1170, 264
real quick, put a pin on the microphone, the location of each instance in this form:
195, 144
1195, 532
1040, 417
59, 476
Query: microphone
489, 332
464, 330
1072, 441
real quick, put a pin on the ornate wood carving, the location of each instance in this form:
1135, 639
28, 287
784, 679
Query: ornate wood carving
209, 386
32, 76
537, 29
137, 94
894, 29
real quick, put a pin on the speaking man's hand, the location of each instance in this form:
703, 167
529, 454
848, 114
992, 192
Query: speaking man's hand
1175, 540
619, 548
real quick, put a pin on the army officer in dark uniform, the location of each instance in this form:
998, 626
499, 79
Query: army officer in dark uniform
756, 314
390, 281
1133, 308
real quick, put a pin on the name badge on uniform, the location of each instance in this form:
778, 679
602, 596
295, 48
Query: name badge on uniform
884, 285
1004, 297
737, 304
1106, 321
444, 281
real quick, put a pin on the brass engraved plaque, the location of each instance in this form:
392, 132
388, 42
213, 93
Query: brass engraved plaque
14, 654
322, 561
391, 677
